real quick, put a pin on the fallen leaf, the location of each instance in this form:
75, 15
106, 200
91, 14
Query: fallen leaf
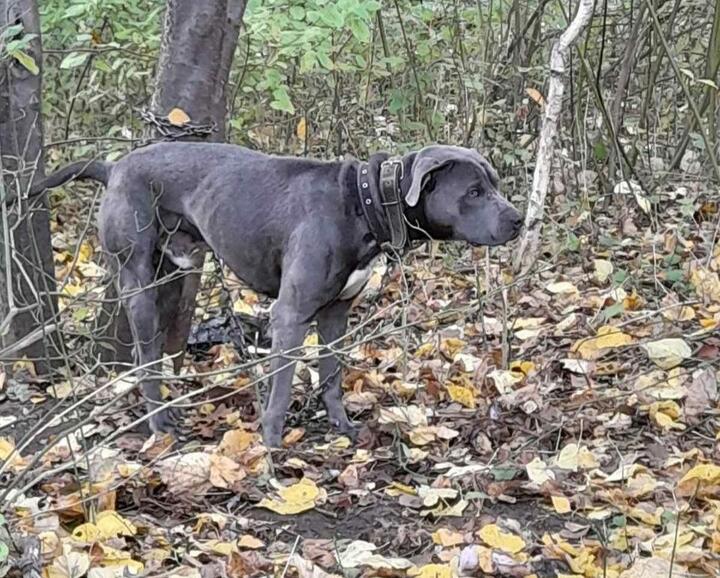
446, 538
299, 497
603, 270
561, 504
608, 337
667, 353
432, 571
494, 537
462, 395
360, 553
539, 472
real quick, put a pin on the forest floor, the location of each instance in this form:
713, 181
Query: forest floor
564, 423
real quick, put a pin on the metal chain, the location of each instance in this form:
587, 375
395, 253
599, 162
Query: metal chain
168, 130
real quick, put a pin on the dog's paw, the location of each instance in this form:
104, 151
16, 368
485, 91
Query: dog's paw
349, 429
165, 421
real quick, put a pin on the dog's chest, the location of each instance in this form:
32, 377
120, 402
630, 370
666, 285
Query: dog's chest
357, 281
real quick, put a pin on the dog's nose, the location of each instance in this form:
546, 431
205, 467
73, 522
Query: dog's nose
517, 221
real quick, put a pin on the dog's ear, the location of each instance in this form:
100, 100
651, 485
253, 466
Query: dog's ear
425, 163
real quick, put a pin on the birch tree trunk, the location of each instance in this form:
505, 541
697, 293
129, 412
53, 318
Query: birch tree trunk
27, 276
530, 242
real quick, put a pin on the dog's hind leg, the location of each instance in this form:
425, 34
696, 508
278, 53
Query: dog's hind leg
139, 295
332, 324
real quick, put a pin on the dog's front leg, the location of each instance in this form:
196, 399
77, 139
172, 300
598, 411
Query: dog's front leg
332, 325
288, 332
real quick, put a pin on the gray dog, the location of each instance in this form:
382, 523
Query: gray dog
303, 231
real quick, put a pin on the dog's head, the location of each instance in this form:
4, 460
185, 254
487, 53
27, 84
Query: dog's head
457, 191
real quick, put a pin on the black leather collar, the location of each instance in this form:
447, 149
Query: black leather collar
382, 203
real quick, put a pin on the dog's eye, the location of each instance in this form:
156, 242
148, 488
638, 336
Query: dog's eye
474, 193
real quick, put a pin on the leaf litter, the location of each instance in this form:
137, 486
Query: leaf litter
572, 432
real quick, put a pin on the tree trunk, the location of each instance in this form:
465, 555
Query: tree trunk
197, 50
27, 279
530, 243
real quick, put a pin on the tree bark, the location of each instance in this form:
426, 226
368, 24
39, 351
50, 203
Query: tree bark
197, 50
530, 242
27, 278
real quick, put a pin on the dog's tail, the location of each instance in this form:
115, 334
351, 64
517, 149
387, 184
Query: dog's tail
95, 170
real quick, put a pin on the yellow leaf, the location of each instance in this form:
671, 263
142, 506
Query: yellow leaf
431, 571
241, 306
561, 504
304, 495
524, 367
494, 537
87, 533
451, 347
178, 117
339, 443
608, 337
222, 548
85, 252
311, 340
704, 474
7, 449
128, 470
425, 350
396, 489
251, 542
665, 414
301, 129
445, 537
667, 353
463, 395
112, 524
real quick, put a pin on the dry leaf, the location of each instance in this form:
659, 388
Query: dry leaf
300, 497
178, 117
494, 537
667, 353
462, 395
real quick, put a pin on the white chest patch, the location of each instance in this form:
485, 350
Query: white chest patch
182, 261
357, 281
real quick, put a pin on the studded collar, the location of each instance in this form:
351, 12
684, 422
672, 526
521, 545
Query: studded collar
381, 201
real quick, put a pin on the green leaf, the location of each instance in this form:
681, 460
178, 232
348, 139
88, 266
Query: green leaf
360, 30
307, 62
297, 12
73, 60
4, 552
100, 64
331, 16
324, 60
11, 31
282, 100
75, 10
504, 474
613, 311
26, 60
